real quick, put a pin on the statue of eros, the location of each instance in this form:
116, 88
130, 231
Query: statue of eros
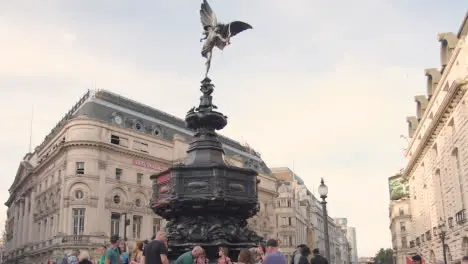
216, 34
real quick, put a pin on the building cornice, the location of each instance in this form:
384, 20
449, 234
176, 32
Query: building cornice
431, 103
454, 94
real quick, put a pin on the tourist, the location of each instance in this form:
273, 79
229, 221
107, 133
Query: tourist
84, 258
102, 254
416, 259
201, 259
300, 255
112, 253
318, 259
245, 257
261, 249
156, 251
256, 255
297, 254
124, 254
223, 256
189, 256
72, 258
137, 253
273, 255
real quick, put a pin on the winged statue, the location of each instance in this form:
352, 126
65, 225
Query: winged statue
216, 34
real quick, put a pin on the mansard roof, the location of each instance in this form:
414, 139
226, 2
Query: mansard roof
104, 106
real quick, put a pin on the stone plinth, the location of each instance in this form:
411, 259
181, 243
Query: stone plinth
205, 201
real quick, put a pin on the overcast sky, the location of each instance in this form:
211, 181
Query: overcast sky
325, 85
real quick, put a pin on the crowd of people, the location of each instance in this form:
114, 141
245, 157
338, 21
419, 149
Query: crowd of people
155, 252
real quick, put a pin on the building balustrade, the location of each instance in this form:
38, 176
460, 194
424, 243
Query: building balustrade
460, 217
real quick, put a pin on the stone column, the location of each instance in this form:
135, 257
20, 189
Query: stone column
32, 200
27, 217
102, 215
16, 225
21, 221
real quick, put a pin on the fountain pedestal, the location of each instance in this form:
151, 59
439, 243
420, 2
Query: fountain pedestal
206, 201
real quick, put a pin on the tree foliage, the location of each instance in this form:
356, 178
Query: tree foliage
384, 256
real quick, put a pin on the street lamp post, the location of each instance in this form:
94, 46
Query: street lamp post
442, 234
323, 191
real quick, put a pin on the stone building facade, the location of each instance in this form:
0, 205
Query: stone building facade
352, 239
299, 219
91, 173
291, 216
437, 171
400, 227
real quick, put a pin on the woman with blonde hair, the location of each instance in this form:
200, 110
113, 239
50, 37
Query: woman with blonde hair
137, 253
84, 258
223, 256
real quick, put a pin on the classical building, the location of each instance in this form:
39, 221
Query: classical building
291, 217
400, 227
300, 220
352, 239
437, 170
90, 177
345, 241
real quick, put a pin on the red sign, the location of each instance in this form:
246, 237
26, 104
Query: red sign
149, 165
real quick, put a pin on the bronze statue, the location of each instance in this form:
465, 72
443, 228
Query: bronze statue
216, 34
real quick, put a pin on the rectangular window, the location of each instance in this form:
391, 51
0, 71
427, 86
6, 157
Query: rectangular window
404, 243
140, 146
118, 174
402, 227
289, 203
137, 220
80, 168
115, 140
156, 225
290, 221
115, 223
139, 178
78, 221
290, 241
284, 221
118, 140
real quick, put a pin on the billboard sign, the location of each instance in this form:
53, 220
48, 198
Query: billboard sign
398, 187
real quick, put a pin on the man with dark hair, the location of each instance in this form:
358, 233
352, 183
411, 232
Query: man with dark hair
318, 259
112, 254
155, 252
416, 259
297, 256
273, 256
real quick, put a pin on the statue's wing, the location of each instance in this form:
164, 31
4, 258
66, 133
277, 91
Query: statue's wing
237, 27
207, 16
